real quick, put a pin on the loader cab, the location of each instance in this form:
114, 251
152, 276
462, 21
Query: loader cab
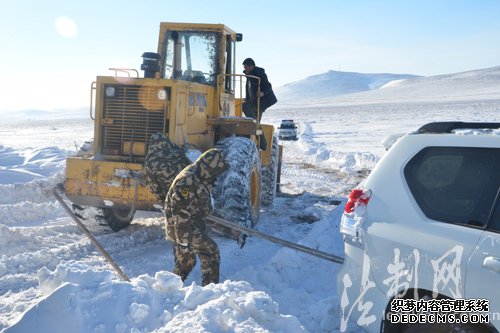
198, 53
191, 56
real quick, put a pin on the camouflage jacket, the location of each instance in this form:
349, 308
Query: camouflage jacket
163, 162
188, 200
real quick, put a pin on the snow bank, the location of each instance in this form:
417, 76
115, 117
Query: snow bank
20, 166
307, 285
82, 300
23, 203
321, 154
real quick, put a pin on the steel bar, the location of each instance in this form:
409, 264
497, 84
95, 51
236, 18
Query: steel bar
92, 238
298, 247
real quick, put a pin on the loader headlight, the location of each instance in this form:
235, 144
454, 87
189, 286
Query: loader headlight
162, 94
110, 91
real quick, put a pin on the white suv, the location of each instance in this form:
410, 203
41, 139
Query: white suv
287, 130
422, 235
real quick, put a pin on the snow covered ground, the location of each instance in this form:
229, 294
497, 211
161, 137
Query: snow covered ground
53, 280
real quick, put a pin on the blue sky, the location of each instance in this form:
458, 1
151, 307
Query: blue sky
46, 68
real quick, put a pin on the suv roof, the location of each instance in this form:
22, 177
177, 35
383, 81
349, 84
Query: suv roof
449, 126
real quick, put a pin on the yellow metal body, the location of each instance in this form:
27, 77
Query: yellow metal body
128, 110
104, 183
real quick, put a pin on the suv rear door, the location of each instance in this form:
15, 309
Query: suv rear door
452, 187
483, 269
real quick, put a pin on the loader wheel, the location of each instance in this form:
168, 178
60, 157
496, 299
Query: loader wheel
117, 219
78, 211
237, 191
269, 176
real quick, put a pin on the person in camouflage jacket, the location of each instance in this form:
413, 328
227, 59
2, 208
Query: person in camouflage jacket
187, 204
163, 162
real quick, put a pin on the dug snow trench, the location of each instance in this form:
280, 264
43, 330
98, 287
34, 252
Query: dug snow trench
41, 254
46, 261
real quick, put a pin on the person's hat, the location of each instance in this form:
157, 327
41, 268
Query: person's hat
249, 61
212, 163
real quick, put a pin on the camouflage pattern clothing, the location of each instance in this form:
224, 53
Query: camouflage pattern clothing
187, 205
163, 162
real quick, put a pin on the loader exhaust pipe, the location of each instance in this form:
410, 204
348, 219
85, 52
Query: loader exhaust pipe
150, 64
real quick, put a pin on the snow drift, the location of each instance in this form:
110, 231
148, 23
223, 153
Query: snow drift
84, 300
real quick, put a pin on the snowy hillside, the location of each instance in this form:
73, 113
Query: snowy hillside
333, 83
46, 115
482, 84
53, 280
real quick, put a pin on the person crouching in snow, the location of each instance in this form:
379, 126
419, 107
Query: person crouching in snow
187, 204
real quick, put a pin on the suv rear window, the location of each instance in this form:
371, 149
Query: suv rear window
455, 184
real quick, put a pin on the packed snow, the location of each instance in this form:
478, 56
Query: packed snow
53, 280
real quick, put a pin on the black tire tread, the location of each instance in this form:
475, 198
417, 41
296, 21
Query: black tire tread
231, 191
270, 176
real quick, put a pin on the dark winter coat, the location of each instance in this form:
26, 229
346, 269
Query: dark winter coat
269, 98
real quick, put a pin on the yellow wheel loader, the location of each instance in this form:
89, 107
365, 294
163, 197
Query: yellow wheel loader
189, 92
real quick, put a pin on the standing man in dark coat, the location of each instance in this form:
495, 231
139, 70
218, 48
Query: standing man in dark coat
266, 94
187, 205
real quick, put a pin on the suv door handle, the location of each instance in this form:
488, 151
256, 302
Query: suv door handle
492, 263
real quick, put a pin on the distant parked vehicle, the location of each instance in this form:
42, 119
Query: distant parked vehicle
287, 130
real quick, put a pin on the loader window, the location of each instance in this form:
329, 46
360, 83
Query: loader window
191, 56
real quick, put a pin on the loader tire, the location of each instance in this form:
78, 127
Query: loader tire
270, 176
116, 218
79, 211
237, 191
88, 213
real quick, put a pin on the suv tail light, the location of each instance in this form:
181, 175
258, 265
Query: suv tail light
353, 216
357, 198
